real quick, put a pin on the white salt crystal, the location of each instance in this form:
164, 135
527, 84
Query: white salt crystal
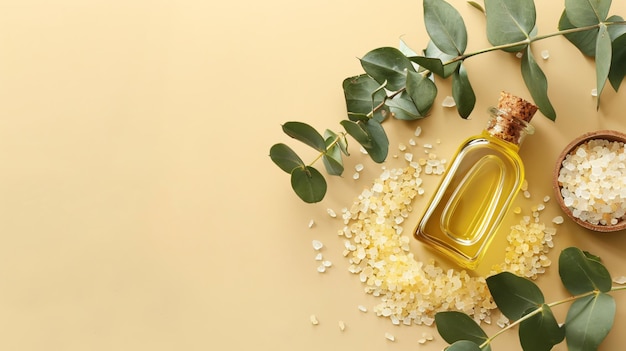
313, 319
331, 212
448, 101
358, 167
620, 280
519, 55
319, 257
557, 220
321, 268
327, 264
342, 325
356, 176
317, 245
390, 337
412, 142
362, 308
594, 92
311, 223
545, 54
418, 131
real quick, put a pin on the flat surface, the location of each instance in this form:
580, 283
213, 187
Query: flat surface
139, 209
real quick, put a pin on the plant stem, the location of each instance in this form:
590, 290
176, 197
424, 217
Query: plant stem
330, 146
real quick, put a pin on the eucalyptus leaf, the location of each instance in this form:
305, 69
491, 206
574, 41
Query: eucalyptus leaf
422, 91
379, 142
285, 158
341, 140
514, 295
449, 65
510, 21
357, 132
463, 345
583, 13
462, 92
477, 6
581, 274
403, 108
537, 84
585, 41
455, 326
406, 49
618, 68
588, 322
604, 51
445, 27
362, 94
616, 26
387, 65
541, 331
430, 63
309, 184
306, 134
333, 162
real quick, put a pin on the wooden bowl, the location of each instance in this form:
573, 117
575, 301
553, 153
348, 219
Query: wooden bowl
609, 135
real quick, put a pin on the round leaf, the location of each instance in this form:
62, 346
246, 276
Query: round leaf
537, 84
541, 331
581, 274
285, 158
403, 108
462, 92
584, 41
309, 184
587, 13
463, 345
514, 295
603, 59
445, 27
342, 142
422, 91
589, 320
509, 21
449, 66
332, 157
388, 66
618, 69
380, 144
358, 133
306, 134
362, 94
455, 326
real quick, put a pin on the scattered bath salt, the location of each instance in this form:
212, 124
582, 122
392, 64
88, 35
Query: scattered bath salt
418, 131
331, 212
594, 92
527, 194
545, 54
519, 55
408, 156
390, 337
402, 147
363, 151
327, 263
517, 210
546, 198
358, 167
317, 245
428, 146
557, 220
362, 308
620, 280
311, 223
313, 319
342, 325
319, 257
321, 268
356, 176
448, 101
428, 336
524, 186
412, 142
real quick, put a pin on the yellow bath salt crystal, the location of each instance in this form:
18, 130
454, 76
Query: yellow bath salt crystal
313, 319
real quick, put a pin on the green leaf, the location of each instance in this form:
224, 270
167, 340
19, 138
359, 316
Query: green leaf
445, 27
454, 326
584, 41
308, 183
285, 158
581, 274
583, 13
449, 66
616, 30
362, 95
357, 132
603, 60
589, 320
387, 65
510, 21
422, 91
403, 108
332, 157
462, 92
432, 64
406, 50
537, 84
380, 144
477, 6
342, 142
541, 331
514, 295
463, 345
306, 134
618, 68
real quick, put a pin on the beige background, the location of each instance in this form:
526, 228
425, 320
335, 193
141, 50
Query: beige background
139, 209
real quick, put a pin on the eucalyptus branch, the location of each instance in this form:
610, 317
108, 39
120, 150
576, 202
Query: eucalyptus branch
330, 146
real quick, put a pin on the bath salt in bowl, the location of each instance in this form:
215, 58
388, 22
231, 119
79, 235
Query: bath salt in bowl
590, 181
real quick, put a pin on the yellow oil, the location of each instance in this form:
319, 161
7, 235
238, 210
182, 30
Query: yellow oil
473, 197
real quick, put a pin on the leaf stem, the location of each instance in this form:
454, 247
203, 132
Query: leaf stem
330, 146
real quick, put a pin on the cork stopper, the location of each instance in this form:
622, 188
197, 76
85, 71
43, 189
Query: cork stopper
516, 107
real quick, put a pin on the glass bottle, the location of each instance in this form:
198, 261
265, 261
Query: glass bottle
479, 185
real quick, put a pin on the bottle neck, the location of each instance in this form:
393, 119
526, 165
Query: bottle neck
508, 128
